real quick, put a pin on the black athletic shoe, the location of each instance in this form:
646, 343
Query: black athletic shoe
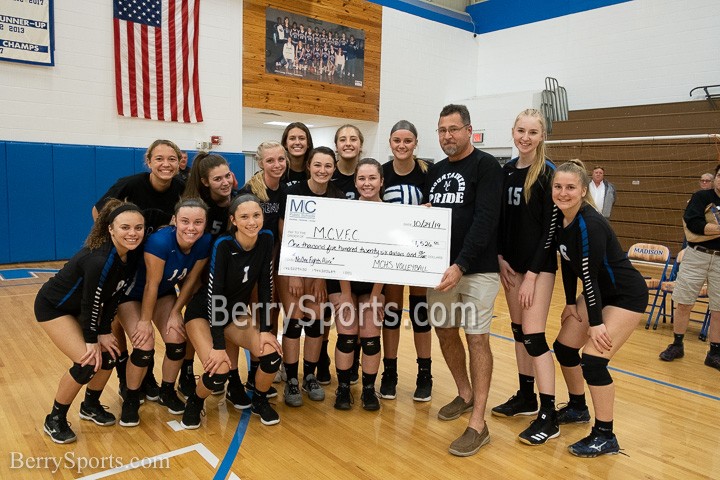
542, 429
388, 384
122, 391
343, 397
170, 399
712, 360
130, 414
672, 352
272, 391
97, 413
59, 429
237, 397
517, 405
187, 384
193, 412
262, 408
569, 414
150, 388
595, 445
423, 390
369, 398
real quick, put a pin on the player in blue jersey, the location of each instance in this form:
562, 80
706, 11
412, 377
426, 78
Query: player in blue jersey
221, 315
404, 182
528, 264
601, 319
174, 255
76, 307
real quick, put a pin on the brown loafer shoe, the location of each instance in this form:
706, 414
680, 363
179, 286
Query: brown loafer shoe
454, 409
469, 442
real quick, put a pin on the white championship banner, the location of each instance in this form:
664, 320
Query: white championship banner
365, 241
26, 33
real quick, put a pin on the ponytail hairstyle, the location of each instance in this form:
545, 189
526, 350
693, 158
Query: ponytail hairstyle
405, 125
576, 167
191, 202
357, 131
538, 165
257, 181
201, 166
239, 200
148, 152
100, 231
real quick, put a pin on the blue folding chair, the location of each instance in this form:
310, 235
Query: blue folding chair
659, 254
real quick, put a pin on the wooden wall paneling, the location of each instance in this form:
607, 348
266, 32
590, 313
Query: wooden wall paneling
276, 92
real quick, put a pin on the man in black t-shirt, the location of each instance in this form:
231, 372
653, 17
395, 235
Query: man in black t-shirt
469, 182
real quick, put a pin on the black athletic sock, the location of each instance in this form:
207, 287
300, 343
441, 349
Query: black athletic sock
344, 376
59, 410
547, 402
309, 368
527, 385
92, 397
291, 369
424, 364
714, 348
678, 339
578, 401
254, 365
390, 364
187, 367
168, 387
368, 379
324, 357
234, 378
604, 428
121, 367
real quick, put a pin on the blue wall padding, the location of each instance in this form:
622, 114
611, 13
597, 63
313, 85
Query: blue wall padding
30, 201
74, 180
4, 226
47, 192
111, 163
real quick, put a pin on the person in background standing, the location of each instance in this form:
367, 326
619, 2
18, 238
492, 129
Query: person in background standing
602, 192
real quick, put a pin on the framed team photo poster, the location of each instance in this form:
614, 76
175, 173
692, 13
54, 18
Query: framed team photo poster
308, 48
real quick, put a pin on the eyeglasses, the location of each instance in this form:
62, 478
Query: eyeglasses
705, 181
452, 130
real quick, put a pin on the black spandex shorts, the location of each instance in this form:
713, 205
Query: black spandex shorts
358, 288
633, 301
45, 311
196, 308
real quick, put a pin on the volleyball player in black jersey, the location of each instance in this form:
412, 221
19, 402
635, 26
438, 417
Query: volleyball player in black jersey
221, 314
267, 184
359, 311
404, 180
174, 256
321, 166
156, 193
76, 307
600, 320
297, 140
527, 271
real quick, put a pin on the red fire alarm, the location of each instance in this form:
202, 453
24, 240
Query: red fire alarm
216, 139
478, 137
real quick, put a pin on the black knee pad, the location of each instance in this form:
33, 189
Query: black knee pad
313, 328
270, 363
176, 351
293, 329
108, 362
142, 358
419, 314
346, 343
517, 332
370, 345
82, 375
566, 356
392, 318
215, 382
535, 344
595, 370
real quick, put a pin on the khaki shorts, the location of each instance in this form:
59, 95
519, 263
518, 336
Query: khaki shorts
469, 305
695, 269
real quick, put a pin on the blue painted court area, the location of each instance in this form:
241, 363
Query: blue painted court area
23, 273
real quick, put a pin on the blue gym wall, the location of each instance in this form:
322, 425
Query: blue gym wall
47, 192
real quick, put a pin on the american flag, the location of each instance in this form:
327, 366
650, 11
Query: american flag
156, 59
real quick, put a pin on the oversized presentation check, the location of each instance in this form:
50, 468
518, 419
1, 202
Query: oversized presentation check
365, 241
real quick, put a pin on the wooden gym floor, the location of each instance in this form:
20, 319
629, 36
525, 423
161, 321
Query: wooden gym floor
666, 419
